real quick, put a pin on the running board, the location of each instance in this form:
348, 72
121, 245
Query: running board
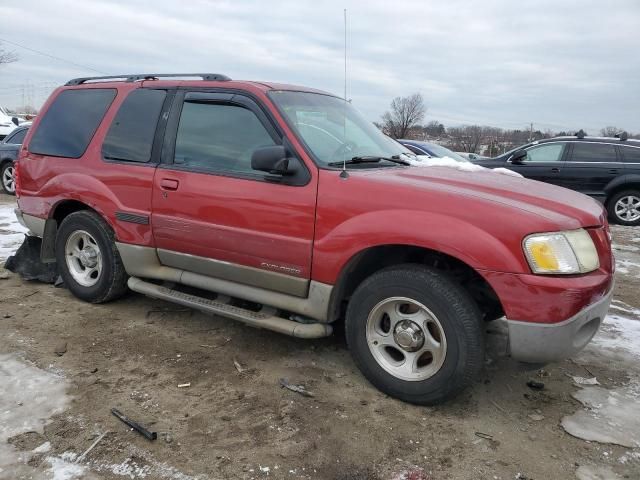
264, 318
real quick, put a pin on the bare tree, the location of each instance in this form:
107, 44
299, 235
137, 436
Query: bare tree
610, 131
467, 138
405, 113
6, 56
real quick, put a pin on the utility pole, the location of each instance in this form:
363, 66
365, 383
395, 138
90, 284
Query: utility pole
531, 133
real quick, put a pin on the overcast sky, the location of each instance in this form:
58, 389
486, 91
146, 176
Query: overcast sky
559, 64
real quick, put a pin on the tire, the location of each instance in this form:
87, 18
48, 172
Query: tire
430, 298
88, 259
624, 207
7, 178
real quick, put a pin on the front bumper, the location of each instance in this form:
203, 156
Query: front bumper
548, 342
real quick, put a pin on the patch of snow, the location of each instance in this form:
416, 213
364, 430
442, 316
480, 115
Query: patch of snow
585, 472
44, 448
506, 171
11, 232
30, 396
609, 416
619, 334
62, 469
425, 161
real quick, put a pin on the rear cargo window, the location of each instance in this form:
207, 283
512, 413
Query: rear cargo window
631, 155
70, 122
131, 134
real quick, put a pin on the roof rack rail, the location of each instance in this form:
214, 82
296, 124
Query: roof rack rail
150, 76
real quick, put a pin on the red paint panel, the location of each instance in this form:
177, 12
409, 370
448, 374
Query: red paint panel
236, 220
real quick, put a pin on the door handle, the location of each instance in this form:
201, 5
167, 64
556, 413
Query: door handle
169, 184
555, 170
613, 170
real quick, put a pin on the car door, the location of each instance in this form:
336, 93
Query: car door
213, 214
591, 166
544, 162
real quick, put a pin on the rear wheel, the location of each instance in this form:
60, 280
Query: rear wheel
624, 207
415, 334
88, 260
7, 178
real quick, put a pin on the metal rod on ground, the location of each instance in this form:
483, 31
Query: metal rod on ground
136, 426
81, 457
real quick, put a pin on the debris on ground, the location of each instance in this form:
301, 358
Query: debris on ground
134, 425
412, 474
61, 349
301, 389
239, 367
26, 262
486, 436
184, 385
4, 275
535, 385
584, 381
91, 447
536, 417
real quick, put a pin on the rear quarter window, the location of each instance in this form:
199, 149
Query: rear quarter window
130, 136
70, 122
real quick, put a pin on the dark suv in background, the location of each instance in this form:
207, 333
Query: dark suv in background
607, 169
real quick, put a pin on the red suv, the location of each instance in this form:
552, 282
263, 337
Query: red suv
284, 208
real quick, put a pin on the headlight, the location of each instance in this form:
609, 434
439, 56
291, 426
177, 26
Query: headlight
561, 252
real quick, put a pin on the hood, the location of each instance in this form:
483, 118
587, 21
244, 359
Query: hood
564, 208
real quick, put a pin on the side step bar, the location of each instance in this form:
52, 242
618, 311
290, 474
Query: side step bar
265, 318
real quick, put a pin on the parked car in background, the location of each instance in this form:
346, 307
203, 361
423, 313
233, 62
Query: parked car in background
8, 123
9, 149
607, 169
253, 201
430, 149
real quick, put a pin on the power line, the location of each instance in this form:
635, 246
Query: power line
52, 56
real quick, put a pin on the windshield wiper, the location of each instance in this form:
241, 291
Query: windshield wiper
370, 159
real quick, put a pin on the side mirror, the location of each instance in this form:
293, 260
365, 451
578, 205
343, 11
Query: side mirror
518, 157
272, 160
15, 121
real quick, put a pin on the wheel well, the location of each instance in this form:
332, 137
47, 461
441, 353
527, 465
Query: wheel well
67, 207
621, 188
369, 261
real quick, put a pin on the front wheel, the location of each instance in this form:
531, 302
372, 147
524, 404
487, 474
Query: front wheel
415, 334
624, 207
88, 259
8, 178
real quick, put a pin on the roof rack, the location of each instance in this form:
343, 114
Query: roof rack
150, 76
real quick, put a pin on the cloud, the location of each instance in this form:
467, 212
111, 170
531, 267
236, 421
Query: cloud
501, 63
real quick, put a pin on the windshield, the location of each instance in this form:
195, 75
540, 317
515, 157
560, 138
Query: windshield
440, 151
332, 129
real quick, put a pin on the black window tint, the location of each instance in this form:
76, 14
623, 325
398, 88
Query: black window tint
593, 152
631, 154
131, 134
70, 122
219, 137
17, 137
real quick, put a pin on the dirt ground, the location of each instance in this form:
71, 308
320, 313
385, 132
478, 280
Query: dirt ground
134, 353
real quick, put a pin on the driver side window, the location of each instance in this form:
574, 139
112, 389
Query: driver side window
551, 152
216, 137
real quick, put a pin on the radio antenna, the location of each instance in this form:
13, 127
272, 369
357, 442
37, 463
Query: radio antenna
344, 173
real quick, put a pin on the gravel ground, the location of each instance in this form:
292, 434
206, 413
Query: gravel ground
134, 353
